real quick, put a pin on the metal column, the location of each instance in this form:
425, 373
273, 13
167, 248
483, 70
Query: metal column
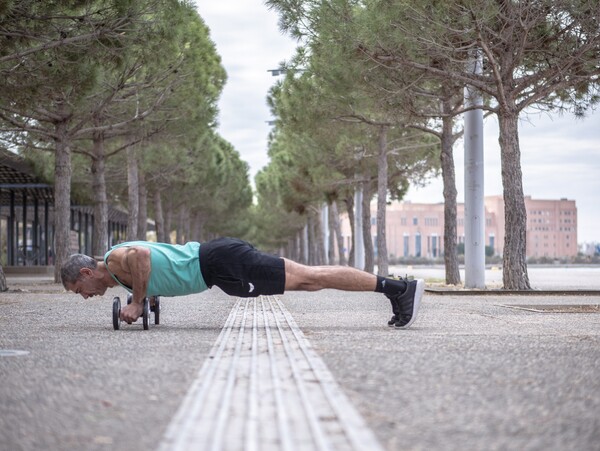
11, 247
325, 232
474, 193
24, 228
359, 244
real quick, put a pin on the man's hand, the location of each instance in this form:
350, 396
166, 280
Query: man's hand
131, 312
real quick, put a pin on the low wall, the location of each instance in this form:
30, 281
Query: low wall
28, 270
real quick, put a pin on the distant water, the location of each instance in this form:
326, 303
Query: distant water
540, 277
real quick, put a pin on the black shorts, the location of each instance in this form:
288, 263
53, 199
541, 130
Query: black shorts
238, 269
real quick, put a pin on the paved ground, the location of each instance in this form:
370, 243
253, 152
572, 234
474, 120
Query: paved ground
471, 374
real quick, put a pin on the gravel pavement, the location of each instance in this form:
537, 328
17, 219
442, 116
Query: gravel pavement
471, 374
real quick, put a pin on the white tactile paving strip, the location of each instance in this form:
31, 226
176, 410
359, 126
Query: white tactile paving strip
263, 387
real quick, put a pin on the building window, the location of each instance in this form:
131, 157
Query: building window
415, 221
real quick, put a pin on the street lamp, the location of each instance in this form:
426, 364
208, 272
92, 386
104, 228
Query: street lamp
277, 72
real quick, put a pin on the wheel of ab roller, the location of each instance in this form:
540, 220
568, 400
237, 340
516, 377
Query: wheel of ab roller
146, 314
116, 313
156, 309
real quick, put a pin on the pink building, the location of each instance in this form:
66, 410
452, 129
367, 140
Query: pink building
417, 230
551, 228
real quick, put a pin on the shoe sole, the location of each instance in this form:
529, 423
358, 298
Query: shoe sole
416, 304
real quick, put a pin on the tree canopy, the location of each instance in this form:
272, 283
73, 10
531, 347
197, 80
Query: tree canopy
97, 78
536, 54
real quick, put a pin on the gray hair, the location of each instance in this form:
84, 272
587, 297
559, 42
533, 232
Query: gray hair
70, 270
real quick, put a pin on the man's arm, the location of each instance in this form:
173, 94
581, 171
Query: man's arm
132, 266
136, 262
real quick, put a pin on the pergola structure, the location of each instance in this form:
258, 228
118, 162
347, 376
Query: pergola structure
27, 217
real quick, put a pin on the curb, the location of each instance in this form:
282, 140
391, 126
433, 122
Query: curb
499, 292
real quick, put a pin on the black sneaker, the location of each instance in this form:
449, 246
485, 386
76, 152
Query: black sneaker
406, 305
394, 318
395, 309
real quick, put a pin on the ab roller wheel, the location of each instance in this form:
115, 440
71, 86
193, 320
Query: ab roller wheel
155, 308
150, 305
146, 314
116, 313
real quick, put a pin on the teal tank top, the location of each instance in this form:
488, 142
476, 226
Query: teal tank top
175, 268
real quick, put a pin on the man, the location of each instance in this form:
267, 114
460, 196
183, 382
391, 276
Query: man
150, 269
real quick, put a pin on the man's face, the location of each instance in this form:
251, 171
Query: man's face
87, 285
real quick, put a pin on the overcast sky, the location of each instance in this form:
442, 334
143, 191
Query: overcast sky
560, 155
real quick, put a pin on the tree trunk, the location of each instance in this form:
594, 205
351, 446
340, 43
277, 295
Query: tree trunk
197, 228
62, 198
514, 271
168, 220
3, 286
450, 194
292, 247
338, 232
366, 231
133, 194
312, 250
179, 239
331, 235
142, 228
297, 243
159, 222
100, 238
319, 239
382, 182
187, 226
349, 201
303, 243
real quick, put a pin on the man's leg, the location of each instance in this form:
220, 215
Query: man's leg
313, 278
405, 296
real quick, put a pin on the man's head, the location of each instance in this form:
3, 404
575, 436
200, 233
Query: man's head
80, 274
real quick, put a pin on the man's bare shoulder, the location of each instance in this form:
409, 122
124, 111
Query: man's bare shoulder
116, 259
122, 258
